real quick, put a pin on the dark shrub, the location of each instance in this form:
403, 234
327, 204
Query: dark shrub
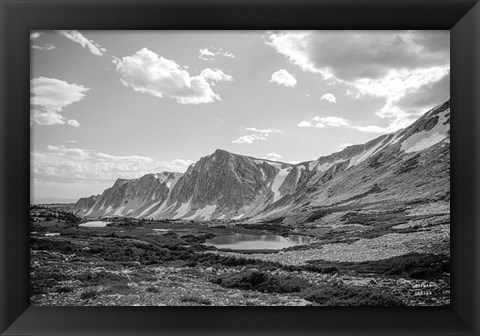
89, 294
321, 269
103, 278
64, 289
342, 295
195, 299
262, 282
152, 289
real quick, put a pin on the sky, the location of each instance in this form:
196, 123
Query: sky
121, 104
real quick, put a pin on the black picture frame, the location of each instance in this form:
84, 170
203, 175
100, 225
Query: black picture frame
18, 17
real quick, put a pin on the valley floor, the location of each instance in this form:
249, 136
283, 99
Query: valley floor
375, 258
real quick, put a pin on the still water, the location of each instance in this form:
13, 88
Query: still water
239, 241
94, 224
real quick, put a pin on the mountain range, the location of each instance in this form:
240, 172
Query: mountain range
410, 165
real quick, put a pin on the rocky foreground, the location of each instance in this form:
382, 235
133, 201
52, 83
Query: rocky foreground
401, 261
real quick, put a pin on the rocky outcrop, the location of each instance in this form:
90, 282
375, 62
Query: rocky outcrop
128, 197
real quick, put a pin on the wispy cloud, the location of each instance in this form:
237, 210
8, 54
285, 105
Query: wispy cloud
48, 98
77, 37
273, 156
63, 164
249, 139
147, 72
345, 145
322, 122
257, 134
283, 77
331, 121
46, 47
263, 131
209, 55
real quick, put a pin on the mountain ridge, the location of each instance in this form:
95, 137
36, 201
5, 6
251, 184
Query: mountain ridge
228, 186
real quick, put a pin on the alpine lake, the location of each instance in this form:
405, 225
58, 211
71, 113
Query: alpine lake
131, 262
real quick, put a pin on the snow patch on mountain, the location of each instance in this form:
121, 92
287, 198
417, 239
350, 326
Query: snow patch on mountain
357, 159
276, 165
396, 138
425, 139
299, 169
119, 211
204, 213
327, 165
147, 210
422, 143
89, 211
277, 183
182, 210
160, 210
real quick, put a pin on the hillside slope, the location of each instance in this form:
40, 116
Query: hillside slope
410, 166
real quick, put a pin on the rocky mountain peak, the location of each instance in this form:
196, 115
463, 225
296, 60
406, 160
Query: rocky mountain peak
225, 185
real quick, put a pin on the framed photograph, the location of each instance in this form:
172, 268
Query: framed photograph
270, 167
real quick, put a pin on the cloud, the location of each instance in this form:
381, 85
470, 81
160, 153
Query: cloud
273, 156
351, 55
331, 121
426, 96
397, 85
391, 65
149, 73
46, 117
48, 98
209, 55
345, 145
263, 131
329, 97
259, 134
249, 139
35, 35
322, 122
62, 164
177, 165
305, 124
46, 47
283, 77
216, 75
76, 153
78, 37
73, 123
375, 129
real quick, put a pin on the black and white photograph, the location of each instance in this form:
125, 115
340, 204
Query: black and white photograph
240, 168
